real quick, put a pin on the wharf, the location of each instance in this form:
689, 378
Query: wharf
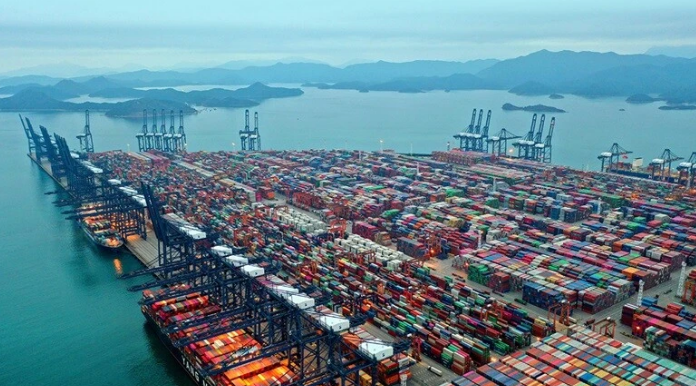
145, 250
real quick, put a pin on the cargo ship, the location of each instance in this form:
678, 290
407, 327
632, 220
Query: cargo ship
98, 229
150, 317
233, 345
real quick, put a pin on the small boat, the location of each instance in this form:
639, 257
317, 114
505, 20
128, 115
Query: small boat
99, 230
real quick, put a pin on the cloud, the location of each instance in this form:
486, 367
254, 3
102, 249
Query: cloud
127, 31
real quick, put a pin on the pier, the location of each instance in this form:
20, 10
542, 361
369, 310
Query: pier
144, 249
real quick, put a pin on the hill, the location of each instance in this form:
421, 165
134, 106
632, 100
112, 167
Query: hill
416, 84
587, 74
641, 98
534, 108
35, 100
386, 71
565, 66
216, 97
134, 108
64, 89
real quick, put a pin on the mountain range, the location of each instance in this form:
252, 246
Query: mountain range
587, 74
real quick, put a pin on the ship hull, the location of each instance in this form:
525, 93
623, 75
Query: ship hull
92, 237
178, 355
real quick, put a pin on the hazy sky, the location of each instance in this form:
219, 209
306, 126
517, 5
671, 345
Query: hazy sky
119, 33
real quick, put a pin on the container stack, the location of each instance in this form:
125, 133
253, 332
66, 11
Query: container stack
582, 358
552, 233
669, 332
689, 296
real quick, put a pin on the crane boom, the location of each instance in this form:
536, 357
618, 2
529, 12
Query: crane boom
530, 134
470, 129
540, 132
154, 121
477, 129
488, 124
171, 122
144, 121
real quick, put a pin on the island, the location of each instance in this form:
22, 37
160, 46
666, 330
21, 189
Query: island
35, 100
641, 98
534, 108
678, 107
133, 109
42, 99
556, 96
216, 97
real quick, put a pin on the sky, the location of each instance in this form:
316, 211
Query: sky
176, 34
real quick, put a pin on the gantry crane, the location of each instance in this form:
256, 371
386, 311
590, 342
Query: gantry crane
606, 327
538, 145
666, 158
142, 136
254, 137
155, 131
547, 151
542, 150
163, 126
687, 171
168, 136
181, 135
86, 143
464, 136
499, 142
526, 144
246, 133
163, 131
613, 155
560, 313
481, 136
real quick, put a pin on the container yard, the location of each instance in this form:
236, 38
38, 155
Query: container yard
374, 268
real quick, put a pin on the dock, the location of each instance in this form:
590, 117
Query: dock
145, 250
441, 260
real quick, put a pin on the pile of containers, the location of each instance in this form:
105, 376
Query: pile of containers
301, 221
689, 296
582, 358
529, 219
669, 332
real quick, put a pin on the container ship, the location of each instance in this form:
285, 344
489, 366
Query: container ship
208, 343
99, 230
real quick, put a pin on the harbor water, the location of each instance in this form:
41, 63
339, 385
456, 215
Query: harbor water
66, 319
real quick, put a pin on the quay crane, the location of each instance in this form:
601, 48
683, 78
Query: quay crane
181, 135
538, 144
480, 136
163, 131
155, 131
464, 136
688, 168
143, 137
86, 143
244, 134
666, 158
254, 137
168, 136
613, 155
543, 149
524, 145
